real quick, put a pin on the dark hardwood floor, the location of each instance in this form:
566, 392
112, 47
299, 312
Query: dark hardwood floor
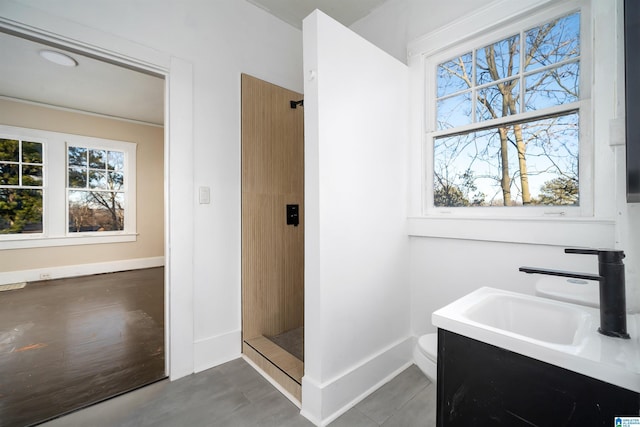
68, 343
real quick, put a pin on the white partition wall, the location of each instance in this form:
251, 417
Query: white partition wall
357, 308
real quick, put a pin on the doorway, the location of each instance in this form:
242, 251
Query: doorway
129, 321
273, 232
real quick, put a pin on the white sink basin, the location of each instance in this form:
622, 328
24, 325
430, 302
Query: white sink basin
538, 319
555, 332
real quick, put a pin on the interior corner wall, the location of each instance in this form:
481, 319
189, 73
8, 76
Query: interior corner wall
150, 194
357, 324
395, 23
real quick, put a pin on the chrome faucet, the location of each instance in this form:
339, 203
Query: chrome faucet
613, 312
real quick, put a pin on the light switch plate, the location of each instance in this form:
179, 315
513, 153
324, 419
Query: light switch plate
204, 195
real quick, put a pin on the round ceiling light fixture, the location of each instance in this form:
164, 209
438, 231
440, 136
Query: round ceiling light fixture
58, 58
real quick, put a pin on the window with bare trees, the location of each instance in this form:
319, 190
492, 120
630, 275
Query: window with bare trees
96, 189
504, 119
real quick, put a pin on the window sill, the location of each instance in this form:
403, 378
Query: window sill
579, 232
44, 242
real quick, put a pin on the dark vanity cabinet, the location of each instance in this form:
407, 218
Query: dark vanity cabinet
483, 385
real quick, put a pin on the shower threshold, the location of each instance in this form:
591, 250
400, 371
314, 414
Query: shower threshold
282, 360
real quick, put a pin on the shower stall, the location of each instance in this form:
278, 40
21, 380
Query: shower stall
273, 232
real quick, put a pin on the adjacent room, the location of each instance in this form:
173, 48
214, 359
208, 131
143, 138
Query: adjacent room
82, 289
336, 199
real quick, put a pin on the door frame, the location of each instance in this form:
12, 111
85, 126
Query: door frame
178, 129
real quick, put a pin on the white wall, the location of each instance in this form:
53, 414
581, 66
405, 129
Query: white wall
358, 317
397, 22
443, 269
210, 42
357, 324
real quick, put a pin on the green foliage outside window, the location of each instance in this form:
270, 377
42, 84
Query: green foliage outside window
21, 186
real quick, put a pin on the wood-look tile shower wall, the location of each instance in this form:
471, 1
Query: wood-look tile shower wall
272, 177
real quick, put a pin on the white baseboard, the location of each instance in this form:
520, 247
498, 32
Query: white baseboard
322, 403
214, 351
49, 273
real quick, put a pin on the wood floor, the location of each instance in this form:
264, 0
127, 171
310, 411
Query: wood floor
68, 343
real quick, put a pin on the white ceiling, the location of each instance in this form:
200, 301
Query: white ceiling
103, 88
93, 86
294, 11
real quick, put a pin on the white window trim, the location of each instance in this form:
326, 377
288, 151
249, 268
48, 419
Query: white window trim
55, 201
522, 225
586, 150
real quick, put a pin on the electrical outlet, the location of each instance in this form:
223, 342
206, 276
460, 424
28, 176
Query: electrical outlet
45, 276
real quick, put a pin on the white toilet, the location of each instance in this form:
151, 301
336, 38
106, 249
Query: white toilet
425, 355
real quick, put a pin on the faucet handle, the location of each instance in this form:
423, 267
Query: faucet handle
604, 255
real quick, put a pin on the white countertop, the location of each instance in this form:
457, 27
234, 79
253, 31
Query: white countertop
613, 360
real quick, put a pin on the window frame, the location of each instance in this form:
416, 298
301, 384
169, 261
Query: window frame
509, 26
55, 191
18, 136
114, 146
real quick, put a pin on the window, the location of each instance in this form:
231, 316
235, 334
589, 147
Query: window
21, 186
62, 189
504, 126
96, 190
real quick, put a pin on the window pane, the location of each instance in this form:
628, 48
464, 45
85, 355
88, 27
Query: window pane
95, 211
98, 180
454, 111
31, 152
115, 160
9, 150
116, 180
554, 86
455, 75
552, 42
77, 156
98, 159
498, 61
532, 163
20, 211
31, 175
451, 156
9, 174
77, 177
499, 100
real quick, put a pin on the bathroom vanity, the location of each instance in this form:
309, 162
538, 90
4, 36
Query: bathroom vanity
480, 384
511, 359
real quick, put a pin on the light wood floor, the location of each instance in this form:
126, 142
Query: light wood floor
68, 343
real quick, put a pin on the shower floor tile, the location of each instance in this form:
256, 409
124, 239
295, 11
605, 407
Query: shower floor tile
292, 341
